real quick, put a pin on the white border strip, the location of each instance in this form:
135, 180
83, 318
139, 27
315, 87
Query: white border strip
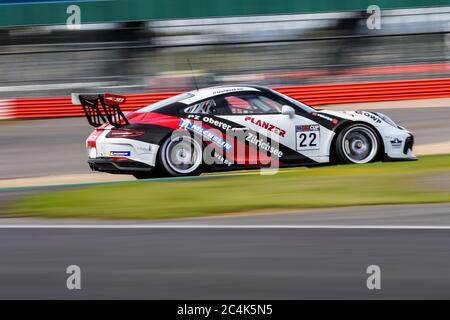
245, 227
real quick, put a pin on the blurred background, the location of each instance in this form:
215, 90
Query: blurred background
51, 48
146, 46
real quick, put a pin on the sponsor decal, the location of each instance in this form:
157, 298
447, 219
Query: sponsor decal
222, 159
396, 143
349, 113
370, 115
320, 115
307, 137
308, 127
264, 145
266, 125
195, 117
119, 153
227, 90
142, 149
114, 98
214, 122
190, 125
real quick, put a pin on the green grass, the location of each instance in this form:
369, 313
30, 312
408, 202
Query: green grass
295, 188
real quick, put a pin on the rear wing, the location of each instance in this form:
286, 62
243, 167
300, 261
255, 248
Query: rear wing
110, 105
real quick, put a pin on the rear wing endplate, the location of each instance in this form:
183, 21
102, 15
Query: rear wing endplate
110, 105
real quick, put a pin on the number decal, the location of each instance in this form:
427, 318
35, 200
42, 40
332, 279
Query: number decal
313, 137
308, 137
302, 137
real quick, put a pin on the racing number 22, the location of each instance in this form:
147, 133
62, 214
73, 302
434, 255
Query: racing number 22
308, 140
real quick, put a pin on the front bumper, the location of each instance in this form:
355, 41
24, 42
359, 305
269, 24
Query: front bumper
398, 146
118, 166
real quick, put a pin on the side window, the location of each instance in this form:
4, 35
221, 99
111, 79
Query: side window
204, 107
236, 104
248, 104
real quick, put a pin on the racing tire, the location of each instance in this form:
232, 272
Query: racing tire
358, 143
181, 155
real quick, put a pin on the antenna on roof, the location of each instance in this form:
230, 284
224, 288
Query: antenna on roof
193, 76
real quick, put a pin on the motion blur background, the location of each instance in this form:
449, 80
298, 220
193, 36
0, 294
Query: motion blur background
321, 52
145, 46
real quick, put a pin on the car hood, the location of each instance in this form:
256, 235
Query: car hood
372, 118
349, 115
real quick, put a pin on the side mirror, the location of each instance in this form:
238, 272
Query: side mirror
289, 111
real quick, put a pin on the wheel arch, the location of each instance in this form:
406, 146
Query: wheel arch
159, 155
332, 150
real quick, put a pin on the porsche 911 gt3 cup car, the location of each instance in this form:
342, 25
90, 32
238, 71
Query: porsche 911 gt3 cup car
231, 127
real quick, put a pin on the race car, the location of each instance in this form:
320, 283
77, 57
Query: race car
233, 127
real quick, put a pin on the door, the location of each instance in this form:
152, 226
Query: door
293, 140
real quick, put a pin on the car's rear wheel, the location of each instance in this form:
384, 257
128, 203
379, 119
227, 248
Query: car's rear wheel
357, 143
181, 156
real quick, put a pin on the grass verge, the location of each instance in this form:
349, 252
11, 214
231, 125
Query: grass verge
294, 188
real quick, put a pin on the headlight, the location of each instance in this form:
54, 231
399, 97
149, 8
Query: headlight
386, 119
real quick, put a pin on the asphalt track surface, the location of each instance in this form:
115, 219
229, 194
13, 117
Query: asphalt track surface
301, 255
51, 147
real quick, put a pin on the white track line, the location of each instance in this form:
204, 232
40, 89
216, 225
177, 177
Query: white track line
168, 226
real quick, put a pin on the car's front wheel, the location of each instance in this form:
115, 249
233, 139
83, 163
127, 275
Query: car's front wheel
181, 156
357, 143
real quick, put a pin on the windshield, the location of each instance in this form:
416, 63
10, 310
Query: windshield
165, 102
299, 104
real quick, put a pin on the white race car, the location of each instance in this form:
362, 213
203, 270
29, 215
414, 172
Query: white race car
231, 127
